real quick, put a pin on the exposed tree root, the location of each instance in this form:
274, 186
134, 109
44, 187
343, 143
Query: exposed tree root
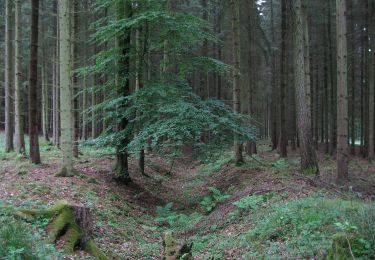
69, 223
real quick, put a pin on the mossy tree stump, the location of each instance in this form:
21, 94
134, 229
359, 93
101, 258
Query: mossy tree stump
69, 223
173, 250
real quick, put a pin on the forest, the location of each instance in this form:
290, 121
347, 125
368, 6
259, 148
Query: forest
187, 129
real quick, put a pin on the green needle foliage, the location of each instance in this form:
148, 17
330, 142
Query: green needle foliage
164, 114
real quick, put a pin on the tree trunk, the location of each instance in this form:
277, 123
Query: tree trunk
274, 96
308, 155
33, 84
333, 112
74, 78
45, 86
283, 74
236, 75
84, 81
122, 168
371, 60
65, 89
342, 93
18, 93
8, 77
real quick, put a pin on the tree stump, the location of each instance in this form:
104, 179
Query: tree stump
173, 250
70, 224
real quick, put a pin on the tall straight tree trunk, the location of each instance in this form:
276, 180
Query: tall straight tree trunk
326, 94
65, 89
333, 112
74, 78
370, 73
308, 156
45, 86
18, 93
45, 100
122, 168
33, 84
84, 81
236, 74
56, 85
352, 79
342, 94
283, 74
8, 77
274, 96
363, 55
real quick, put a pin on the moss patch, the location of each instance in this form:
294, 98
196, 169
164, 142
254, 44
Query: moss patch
70, 224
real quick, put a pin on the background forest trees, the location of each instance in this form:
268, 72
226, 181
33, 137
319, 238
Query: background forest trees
154, 75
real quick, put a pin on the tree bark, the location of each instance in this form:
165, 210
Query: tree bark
9, 146
236, 75
74, 78
122, 167
283, 74
65, 88
33, 84
18, 93
308, 156
371, 60
342, 94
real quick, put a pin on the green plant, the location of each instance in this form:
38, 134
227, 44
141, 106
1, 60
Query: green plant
176, 221
210, 201
250, 202
306, 227
20, 241
281, 164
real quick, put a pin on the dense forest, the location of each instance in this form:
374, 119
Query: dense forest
187, 129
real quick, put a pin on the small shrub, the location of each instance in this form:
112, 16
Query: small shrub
176, 221
209, 202
281, 164
251, 202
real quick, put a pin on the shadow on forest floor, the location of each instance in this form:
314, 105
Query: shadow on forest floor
130, 220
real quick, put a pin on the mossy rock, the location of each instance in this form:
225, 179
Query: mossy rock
69, 223
343, 246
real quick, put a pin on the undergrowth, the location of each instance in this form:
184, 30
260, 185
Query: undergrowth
19, 240
304, 228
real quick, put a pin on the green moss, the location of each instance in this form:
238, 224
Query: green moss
64, 223
94, 250
64, 220
72, 238
168, 239
65, 173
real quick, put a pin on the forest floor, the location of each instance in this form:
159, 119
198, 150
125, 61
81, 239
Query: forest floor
264, 207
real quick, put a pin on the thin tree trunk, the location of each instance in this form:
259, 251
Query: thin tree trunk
33, 84
18, 93
122, 168
342, 94
236, 75
274, 102
371, 60
283, 74
8, 77
74, 78
84, 81
333, 114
